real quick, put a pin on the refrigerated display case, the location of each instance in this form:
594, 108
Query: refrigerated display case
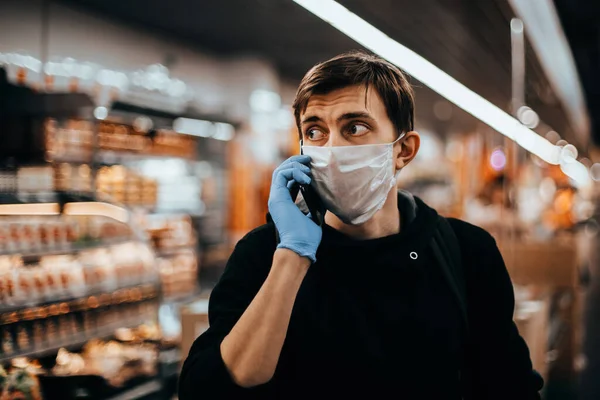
87, 255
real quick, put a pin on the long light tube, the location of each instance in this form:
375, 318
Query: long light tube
545, 33
372, 38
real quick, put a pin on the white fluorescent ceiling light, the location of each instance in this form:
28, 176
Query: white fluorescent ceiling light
373, 39
544, 30
198, 127
194, 127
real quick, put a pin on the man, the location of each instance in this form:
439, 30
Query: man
359, 306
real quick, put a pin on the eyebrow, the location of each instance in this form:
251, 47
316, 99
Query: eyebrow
343, 117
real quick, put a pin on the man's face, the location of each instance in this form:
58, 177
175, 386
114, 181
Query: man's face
353, 116
346, 117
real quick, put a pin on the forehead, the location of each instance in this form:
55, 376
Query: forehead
347, 99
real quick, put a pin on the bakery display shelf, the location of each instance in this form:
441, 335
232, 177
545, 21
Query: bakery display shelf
169, 362
93, 299
75, 343
18, 101
121, 106
29, 255
58, 196
113, 157
183, 298
174, 250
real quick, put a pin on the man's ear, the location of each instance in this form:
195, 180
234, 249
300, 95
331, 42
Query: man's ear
409, 147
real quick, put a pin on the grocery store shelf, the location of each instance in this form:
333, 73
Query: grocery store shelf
142, 390
152, 112
119, 157
170, 362
28, 254
49, 197
170, 356
172, 251
76, 343
181, 298
115, 297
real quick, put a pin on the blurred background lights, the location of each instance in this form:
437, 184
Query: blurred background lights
595, 172
223, 131
586, 161
100, 112
553, 137
264, 101
498, 160
429, 149
528, 117
194, 127
454, 150
547, 189
516, 25
142, 124
568, 154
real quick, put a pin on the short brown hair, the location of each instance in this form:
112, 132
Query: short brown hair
360, 68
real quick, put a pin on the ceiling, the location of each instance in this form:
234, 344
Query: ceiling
581, 23
470, 40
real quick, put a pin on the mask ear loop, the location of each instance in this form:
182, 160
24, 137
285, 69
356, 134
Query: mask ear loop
401, 136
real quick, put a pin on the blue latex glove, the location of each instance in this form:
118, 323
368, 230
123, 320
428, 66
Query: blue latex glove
297, 232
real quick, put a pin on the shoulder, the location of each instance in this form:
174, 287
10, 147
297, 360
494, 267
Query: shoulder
263, 236
480, 254
471, 235
253, 254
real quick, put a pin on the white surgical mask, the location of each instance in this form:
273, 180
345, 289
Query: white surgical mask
353, 181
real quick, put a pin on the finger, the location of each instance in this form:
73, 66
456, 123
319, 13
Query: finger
292, 164
297, 165
284, 176
300, 158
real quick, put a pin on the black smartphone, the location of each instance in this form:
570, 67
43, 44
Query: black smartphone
312, 200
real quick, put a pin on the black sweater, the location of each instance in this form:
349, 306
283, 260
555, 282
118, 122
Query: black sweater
370, 320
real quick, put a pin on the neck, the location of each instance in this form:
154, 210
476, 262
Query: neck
385, 222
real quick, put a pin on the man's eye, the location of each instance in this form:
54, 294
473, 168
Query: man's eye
357, 129
314, 134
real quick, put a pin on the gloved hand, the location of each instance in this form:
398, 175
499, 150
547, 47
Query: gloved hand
297, 232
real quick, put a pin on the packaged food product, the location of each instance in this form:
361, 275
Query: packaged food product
52, 336
8, 341
68, 363
25, 288
15, 242
129, 265
4, 238
8, 289
38, 334
3, 381
22, 383
98, 269
64, 276
23, 336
